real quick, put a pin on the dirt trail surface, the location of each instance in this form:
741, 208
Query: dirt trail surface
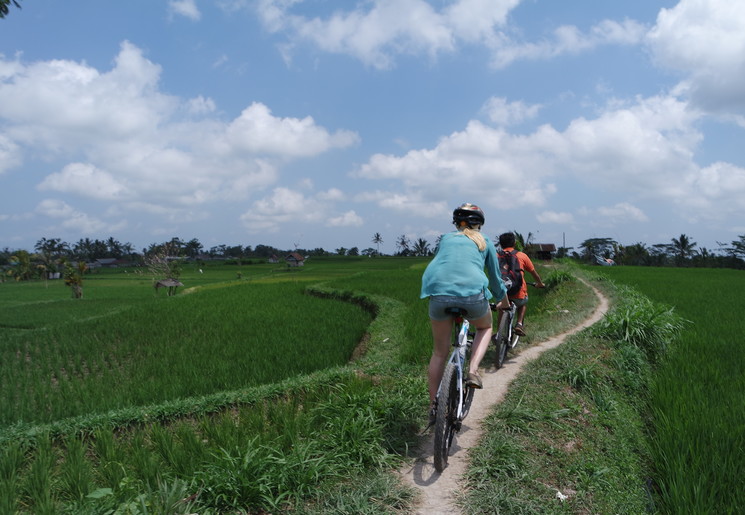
437, 490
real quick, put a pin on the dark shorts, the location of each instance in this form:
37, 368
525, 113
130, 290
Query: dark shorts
476, 306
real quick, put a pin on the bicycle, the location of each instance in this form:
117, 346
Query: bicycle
505, 338
453, 396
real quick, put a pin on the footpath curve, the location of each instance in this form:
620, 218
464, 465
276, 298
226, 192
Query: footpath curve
436, 491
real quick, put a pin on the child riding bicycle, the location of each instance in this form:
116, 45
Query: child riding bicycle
507, 243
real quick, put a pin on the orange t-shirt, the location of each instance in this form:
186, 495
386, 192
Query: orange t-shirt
527, 266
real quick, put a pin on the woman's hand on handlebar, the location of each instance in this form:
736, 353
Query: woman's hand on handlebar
503, 304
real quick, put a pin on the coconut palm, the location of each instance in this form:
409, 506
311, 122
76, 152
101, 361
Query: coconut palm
377, 240
683, 248
403, 243
421, 248
4, 7
738, 246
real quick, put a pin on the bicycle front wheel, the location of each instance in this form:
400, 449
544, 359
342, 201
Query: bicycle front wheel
502, 342
447, 406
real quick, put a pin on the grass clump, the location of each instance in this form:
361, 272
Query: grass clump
641, 323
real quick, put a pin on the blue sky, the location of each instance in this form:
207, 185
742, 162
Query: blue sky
318, 123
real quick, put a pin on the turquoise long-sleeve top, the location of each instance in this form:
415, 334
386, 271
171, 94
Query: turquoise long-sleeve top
458, 269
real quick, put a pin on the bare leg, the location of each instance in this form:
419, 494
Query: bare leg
441, 331
480, 341
521, 313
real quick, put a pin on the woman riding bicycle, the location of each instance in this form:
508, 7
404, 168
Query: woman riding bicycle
456, 278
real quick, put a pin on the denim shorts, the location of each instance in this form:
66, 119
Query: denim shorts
475, 306
520, 302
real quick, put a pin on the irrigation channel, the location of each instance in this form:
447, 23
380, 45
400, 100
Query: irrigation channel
436, 490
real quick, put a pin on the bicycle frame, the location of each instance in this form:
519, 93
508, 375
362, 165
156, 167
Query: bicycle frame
458, 359
510, 314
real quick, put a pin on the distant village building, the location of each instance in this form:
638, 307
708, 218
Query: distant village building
109, 263
543, 251
294, 259
274, 258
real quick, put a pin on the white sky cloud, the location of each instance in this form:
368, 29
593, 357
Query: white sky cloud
378, 31
85, 180
72, 219
10, 154
258, 132
705, 40
569, 39
348, 219
552, 217
504, 113
133, 144
186, 8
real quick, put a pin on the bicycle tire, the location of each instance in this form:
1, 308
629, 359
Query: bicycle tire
502, 342
447, 405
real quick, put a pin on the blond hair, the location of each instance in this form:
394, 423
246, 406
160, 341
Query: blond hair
474, 234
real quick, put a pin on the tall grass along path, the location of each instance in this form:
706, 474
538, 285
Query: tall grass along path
437, 490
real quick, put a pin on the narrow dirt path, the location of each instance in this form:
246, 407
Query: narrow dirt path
436, 490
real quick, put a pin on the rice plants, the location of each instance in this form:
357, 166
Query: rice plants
11, 460
698, 435
184, 346
76, 473
38, 487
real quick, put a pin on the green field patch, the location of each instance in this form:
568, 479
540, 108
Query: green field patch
697, 398
172, 347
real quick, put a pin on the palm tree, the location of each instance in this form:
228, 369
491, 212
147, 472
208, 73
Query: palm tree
114, 247
54, 247
738, 246
377, 240
403, 243
421, 247
682, 247
636, 254
194, 247
4, 7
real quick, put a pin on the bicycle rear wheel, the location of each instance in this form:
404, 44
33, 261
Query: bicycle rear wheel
502, 342
447, 405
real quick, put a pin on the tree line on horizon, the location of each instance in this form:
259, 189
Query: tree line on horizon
52, 254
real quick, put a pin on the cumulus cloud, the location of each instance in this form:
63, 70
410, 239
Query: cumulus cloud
504, 113
348, 219
498, 165
64, 104
72, 219
185, 8
283, 205
84, 179
643, 150
258, 132
622, 212
553, 217
124, 140
569, 39
10, 154
705, 40
376, 32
